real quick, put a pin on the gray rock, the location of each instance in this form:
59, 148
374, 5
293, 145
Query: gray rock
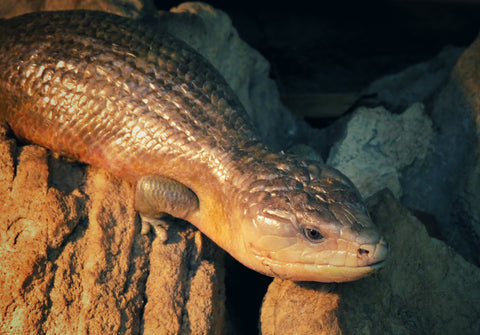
416, 83
303, 151
446, 183
378, 145
469, 83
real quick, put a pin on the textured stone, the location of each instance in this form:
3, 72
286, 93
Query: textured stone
416, 83
72, 259
469, 197
378, 145
295, 308
446, 184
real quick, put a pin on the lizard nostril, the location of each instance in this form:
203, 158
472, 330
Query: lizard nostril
373, 253
362, 252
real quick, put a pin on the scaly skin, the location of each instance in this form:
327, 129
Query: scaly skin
114, 93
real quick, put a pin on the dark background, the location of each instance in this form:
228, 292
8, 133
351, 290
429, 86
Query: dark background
342, 46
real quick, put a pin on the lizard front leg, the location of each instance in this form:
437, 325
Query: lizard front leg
158, 197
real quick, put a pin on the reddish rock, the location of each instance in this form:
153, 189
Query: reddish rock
72, 259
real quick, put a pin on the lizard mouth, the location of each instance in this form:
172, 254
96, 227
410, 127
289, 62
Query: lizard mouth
355, 266
317, 272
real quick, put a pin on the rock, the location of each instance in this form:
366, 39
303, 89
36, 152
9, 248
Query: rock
320, 105
425, 288
72, 258
469, 197
446, 183
378, 145
416, 83
299, 308
303, 151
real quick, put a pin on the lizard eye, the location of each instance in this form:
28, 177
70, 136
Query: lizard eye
312, 234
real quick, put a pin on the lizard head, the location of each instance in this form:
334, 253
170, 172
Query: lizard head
307, 222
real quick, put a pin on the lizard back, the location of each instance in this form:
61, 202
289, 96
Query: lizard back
113, 92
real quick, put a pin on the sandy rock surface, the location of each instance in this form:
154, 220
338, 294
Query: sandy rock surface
300, 308
72, 258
